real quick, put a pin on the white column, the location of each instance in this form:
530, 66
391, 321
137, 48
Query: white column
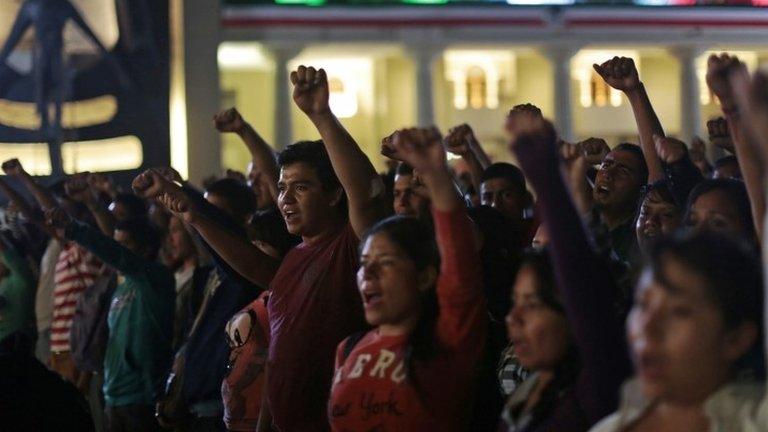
283, 124
424, 57
691, 123
560, 58
196, 28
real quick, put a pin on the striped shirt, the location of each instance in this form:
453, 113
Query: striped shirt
76, 269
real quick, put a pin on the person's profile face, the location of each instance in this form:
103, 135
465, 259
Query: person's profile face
618, 181
539, 334
304, 203
679, 344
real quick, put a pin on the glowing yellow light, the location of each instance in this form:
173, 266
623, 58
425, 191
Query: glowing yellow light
178, 107
89, 112
472, 69
243, 55
99, 155
33, 156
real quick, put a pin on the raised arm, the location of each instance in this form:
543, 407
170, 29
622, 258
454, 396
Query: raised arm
461, 141
245, 258
42, 195
462, 305
20, 202
682, 175
588, 290
78, 189
262, 156
621, 74
719, 72
105, 248
363, 186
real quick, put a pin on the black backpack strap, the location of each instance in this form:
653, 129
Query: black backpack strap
351, 342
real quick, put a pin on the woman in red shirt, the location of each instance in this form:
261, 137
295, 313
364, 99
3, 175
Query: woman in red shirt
414, 370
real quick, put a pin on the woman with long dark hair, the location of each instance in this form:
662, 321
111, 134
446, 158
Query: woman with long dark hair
414, 371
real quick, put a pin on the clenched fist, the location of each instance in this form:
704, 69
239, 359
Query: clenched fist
619, 73
310, 90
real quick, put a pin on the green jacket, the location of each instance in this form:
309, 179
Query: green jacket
17, 295
140, 320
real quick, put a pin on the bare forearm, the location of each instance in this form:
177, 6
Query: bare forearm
245, 258
355, 172
42, 195
261, 155
648, 125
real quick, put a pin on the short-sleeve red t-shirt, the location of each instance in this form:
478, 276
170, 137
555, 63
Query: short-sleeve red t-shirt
313, 306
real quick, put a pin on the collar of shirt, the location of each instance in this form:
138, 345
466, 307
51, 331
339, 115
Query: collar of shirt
735, 406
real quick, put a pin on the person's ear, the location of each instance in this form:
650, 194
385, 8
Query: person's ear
739, 340
427, 278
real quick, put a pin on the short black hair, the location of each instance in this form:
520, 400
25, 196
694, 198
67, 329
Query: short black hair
240, 198
314, 154
136, 206
637, 152
143, 232
508, 172
726, 160
732, 271
403, 169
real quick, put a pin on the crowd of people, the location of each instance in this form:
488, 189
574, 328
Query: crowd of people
588, 289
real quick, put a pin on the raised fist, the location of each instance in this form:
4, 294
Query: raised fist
670, 150
229, 120
101, 182
387, 149
12, 167
421, 148
57, 218
535, 137
719, 69
527, 109
719, 134
169, 174
594, 150
149, 184
310, 90
459, 140
619, 73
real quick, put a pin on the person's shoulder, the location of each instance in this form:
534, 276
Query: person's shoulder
608, 424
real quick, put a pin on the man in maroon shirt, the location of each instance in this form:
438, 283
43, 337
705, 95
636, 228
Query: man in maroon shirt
314, 302
329, 194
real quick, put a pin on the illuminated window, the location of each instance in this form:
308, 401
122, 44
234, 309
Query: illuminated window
99, 155
476, 87
480, 77
350, 81
33, 156
593, 91
343, 102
